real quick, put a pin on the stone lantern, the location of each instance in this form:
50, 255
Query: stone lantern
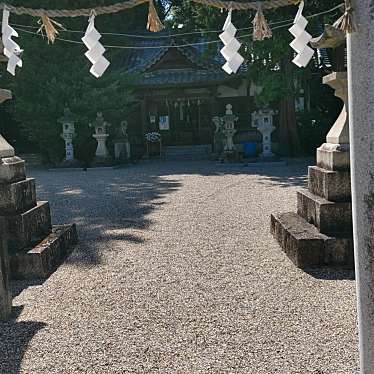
228, 130
101, 135
68, 133
263, 121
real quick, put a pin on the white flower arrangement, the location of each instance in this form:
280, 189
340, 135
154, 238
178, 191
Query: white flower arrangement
153, 137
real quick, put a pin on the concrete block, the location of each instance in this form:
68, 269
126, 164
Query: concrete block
333, 157
17, 197
46, 256
29, 227
306, 247
12, 169
331, 185
334, 219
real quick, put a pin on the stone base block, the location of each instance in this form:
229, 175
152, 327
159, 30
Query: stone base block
45, 257
12, 169
5, 296
334, 219
306, 247
17, 197
29, 227
333, 157
331, 185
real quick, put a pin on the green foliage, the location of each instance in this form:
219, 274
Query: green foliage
55, 76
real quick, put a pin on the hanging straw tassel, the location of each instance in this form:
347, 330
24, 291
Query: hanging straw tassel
346, 21
48, 26
154, 24
261, 29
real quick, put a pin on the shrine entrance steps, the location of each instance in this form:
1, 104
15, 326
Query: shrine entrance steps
320, 233
188, 153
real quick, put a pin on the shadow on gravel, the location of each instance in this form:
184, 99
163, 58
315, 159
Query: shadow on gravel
104, 204
14, 340
331, 274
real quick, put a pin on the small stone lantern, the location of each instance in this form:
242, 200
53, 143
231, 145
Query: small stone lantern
101, 135
68, 133
263, 121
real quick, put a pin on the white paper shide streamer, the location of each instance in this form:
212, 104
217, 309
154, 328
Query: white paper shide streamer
302, 39
96, 50
11, 49
231, 48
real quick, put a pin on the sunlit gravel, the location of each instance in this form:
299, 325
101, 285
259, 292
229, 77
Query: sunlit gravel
176, 272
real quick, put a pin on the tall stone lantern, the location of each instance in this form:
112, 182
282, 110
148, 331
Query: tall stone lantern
263, 121
228, 130
101, 135
68, 133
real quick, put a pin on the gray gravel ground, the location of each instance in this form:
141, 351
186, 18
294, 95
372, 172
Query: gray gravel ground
176, 272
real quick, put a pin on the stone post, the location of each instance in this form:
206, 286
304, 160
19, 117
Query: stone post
101, 136
263, 121
229, 131
121, 144
68, 134
361, 109
334, 154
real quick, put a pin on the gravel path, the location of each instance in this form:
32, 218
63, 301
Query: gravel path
176, 272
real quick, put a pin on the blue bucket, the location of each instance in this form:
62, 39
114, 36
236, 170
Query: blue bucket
250, 149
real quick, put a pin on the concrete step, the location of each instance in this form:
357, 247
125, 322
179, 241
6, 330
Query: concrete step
198, 152
45, 257
17, 197
306, 247
331, 218
331, 185
29, 226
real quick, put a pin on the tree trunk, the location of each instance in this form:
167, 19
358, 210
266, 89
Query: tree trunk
288, 134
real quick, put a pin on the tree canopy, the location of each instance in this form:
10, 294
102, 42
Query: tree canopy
55, 76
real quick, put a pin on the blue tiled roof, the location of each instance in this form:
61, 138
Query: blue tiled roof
151, 49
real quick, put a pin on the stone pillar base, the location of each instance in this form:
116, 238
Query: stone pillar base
320, 233
35, 246
333, 156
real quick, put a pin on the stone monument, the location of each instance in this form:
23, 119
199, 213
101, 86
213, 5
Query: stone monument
263, 121
229, 131
320, 233
68, 134
122, 144
101, 135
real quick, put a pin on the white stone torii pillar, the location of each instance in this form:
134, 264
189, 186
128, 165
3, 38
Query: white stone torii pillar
361, 111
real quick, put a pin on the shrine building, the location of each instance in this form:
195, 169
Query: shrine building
180, 90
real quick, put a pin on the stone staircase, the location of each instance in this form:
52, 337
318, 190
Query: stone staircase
320, 233
35, 247
187, 153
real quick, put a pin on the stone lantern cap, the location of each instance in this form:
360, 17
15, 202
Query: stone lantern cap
100, 124
332, 37
68, 117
